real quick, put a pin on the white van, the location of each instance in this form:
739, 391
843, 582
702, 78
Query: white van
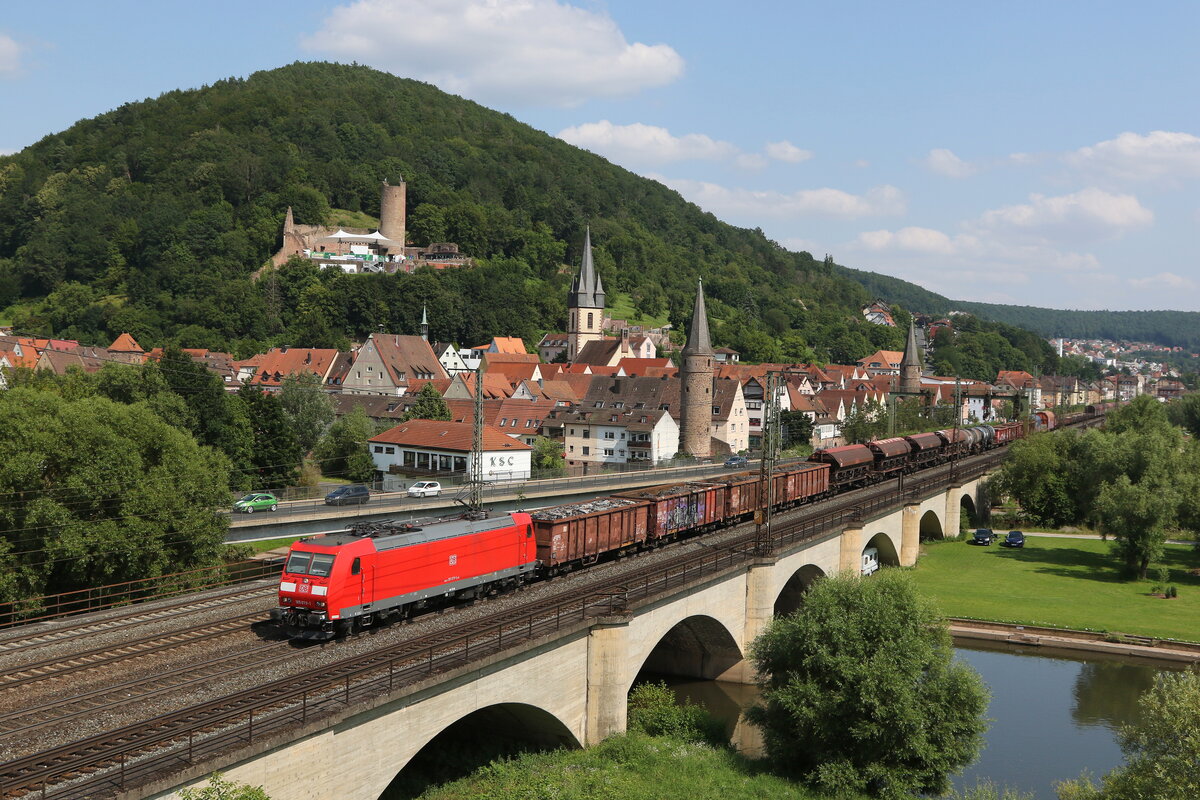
870, 561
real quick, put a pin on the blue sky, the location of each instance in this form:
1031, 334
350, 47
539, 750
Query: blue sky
1033, 153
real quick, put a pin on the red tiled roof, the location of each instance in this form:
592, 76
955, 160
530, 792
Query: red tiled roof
456, 436
125, 344
279, 363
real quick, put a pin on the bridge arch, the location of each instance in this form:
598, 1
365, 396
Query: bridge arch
503, 729
888, 556
969, 514
698, 647
931, 526
791, 597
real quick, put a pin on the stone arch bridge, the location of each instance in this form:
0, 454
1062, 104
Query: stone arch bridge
571, 688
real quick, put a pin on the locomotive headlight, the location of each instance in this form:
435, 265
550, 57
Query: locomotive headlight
320, 604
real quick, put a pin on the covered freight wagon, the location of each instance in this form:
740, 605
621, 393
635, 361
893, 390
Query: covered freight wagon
681, 507
927, 448
891, 455
579, 533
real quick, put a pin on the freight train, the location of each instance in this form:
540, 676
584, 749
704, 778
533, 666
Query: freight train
386, 570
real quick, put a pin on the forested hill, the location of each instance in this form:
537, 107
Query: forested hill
1170, 328
152, 219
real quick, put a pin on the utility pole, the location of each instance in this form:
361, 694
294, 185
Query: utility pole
475, 499
771, 439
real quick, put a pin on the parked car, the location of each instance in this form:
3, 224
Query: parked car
257, 501
346, 495
983, 536
1014, 539
425, 489
736, 461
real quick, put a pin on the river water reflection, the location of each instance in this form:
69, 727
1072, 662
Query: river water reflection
1053, 714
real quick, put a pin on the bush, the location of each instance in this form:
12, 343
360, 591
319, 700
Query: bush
654, 710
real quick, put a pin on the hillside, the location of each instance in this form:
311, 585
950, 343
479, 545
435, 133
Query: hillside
152, 218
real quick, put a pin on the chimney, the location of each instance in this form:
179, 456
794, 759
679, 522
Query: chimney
624, 340
308, 357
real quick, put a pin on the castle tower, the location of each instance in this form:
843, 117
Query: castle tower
289, 223
585, 304
392, 201
910, 366
424, 324
696, 385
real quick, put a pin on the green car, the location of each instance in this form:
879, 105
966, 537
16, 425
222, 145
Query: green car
257, 501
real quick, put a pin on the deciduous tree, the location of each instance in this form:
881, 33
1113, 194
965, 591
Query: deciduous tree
308, 408
861, 692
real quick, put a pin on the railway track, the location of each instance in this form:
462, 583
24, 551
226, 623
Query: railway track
108, 762
121, 757
27, 675
26, 639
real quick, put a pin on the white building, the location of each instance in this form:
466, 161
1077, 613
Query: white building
423, 447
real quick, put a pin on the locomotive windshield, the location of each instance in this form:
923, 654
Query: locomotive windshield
316, 564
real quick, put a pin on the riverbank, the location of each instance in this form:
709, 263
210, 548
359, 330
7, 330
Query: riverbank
965, 631
1061, 583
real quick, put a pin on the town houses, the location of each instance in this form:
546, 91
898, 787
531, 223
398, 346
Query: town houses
604, 392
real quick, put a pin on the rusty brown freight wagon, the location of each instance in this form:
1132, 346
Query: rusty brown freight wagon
742, 495
579, 533
801, 483
681, 507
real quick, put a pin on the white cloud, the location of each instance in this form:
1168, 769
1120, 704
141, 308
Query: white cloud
944, 162
645, 144
786, 151
862, 163
1158, 154
916, 240
1168, 280
529, 52
10, 55
751, 162
1088, 212
749, 204
983, 255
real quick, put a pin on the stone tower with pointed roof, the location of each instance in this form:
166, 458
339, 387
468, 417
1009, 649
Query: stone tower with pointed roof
585, 304
910, 365
696, 384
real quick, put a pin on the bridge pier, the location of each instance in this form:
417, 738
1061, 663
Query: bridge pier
910, 534
607, 683
760, 610
851, 548
953, 523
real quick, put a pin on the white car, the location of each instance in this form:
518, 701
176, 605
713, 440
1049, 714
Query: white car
425, 489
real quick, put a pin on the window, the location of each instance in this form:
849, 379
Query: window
609, 435
587, 434
572, 431
356, 566
589, 319
528, 423
587, 451
608, 451
391, 451
410, 458
716, 410
503, 422
622, 434
369, 368
571, 448
378, 448
619, 404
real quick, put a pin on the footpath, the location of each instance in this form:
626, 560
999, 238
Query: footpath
1109, 644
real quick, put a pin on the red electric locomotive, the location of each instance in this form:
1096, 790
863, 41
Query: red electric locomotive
378, 570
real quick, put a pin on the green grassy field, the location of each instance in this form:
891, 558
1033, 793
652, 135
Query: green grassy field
1066, 583
271, 544
620, 306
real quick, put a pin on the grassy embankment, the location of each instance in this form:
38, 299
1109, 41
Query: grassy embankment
1065, 583
633, 767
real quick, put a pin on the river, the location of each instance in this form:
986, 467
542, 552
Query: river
1053, 714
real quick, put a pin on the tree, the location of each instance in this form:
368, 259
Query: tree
1137, 515
1185, 412
309, 410
796, 428
864, 423
219, 788
861, 692
275, 458
429, 405
101, 492
547, 454
1161, 749
343, 450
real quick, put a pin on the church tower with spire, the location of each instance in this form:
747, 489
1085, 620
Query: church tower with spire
585, 304
696, 384
910, 365
424, 323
